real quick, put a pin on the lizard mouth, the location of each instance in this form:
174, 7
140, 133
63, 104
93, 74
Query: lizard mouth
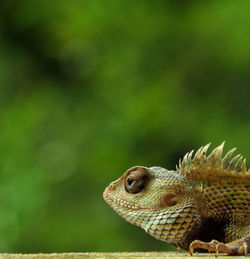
113, 201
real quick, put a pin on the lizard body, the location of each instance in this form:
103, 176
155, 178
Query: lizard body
206, 198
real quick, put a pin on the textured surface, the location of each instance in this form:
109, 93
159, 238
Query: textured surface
106, 255
207, 197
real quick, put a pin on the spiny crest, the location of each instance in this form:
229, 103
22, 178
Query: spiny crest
213, 168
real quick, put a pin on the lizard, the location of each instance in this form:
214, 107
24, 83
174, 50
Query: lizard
202, 205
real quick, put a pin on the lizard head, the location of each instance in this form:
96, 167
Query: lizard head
155, 199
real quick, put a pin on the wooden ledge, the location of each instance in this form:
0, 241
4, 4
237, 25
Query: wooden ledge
121, 255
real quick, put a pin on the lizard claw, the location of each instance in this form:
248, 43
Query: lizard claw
211, 247
238, 247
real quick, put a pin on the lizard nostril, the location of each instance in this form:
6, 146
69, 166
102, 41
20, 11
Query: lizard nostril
112, 186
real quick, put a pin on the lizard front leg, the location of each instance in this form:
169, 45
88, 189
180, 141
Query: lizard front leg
238, 247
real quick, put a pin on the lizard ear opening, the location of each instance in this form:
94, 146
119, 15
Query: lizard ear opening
136, 179
170, 199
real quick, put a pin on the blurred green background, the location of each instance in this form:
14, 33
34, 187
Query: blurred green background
91, 88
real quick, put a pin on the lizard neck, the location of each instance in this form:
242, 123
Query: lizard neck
176, 225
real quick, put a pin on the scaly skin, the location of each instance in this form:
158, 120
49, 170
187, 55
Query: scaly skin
206, 198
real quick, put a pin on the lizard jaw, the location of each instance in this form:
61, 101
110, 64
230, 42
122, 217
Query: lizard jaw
113, 201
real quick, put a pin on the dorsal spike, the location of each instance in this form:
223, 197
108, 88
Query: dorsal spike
190, 155
198, 153
243, 166
238, 164
234, 161
179, 163
213, 168
184, 161
187, 159
214, 159
227, 157
204, 150
217, 152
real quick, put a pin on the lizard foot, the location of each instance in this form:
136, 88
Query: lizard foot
238, 247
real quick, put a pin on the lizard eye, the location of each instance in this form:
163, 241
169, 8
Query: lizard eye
136, 179
130, 181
